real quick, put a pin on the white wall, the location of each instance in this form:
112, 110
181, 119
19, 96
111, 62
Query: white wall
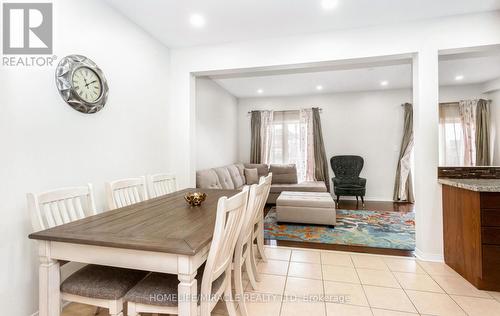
216, 125
494, 96
461, 92
422, 39
369, 124
46, 144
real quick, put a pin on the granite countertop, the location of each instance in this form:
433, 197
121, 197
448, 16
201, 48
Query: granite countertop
479, 185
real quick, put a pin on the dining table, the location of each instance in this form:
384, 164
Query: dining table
163, 234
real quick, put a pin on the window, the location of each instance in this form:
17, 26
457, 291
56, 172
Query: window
451, 136
289, 141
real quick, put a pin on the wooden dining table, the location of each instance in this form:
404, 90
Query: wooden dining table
162, 234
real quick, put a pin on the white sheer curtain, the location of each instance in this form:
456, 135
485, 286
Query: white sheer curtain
267, 132
467, 109
288, 139
451, 135
307, 139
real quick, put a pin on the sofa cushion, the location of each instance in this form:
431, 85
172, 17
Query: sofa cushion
238, 179
252, 176
207, 179
241, 168
307, 186
224, 178
262, 168
284, 174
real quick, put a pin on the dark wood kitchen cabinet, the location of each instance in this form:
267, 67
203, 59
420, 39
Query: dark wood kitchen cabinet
471, 227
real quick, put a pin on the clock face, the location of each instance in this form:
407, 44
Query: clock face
87, 84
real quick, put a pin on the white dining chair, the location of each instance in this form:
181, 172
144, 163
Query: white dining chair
161, 184
244, 249
214, 277
94, 285
258, 235
125, 192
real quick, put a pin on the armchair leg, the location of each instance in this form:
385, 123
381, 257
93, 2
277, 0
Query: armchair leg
363, 201
338, 198
357, 199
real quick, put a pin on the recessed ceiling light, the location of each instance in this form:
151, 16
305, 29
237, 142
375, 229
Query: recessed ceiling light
197, 20
384, 83
319, 87
329, 4
260, 91
459, 77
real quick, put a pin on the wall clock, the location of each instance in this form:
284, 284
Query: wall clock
81, 83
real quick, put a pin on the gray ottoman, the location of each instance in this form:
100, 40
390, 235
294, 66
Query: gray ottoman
306, 208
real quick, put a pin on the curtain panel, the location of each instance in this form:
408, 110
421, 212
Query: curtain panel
403, 186
256, 138
320, 162
482, 133
267, 135
307, 139
467, 110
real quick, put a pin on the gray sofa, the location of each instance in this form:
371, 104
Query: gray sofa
233, 177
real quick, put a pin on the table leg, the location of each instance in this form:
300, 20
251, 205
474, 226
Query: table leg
186, 290
49, 293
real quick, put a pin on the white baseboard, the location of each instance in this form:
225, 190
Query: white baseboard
436, 257
367, 198
64, 304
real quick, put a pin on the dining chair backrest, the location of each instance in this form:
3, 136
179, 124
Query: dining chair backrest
61, 206
125, 192
161, 184
228, 224
256, 196
266, 181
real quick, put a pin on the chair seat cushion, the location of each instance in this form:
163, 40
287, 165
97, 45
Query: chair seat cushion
160, 289
349, 186
102, 282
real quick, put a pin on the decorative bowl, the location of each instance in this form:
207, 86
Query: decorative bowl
195, 198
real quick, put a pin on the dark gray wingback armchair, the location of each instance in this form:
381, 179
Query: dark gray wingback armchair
347, 181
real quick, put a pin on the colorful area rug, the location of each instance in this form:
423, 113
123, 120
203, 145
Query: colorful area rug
395, 230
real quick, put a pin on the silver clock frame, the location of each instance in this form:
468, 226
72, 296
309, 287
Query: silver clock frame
64, 82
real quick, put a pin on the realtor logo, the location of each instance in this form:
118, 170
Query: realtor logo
27, 28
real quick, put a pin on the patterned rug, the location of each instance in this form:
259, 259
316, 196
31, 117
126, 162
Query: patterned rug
395, 230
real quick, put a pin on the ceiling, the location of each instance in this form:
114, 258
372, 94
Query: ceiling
475, 70
333, 81
241, 20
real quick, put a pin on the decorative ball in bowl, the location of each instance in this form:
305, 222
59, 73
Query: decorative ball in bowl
195, 198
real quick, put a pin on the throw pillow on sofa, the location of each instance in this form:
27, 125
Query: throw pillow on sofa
262, 168
284, 174
252, 176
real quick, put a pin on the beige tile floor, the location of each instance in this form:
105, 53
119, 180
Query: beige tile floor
324, 283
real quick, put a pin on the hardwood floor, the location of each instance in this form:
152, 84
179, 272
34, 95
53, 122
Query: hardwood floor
376, 206
360, 249
352, 205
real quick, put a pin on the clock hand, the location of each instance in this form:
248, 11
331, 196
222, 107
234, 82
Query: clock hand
87, 84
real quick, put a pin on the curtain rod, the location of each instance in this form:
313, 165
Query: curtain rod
457, 102
250, 112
